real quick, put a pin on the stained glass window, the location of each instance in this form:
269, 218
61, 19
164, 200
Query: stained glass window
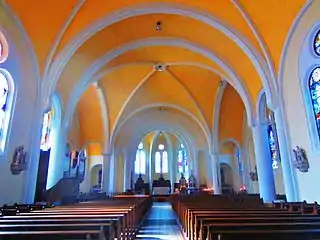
316, 44
314, 87
239, 161
161, 160
273, 148
46, 130
182, 161
3, 48
158, 162
140, 163
4, 93
4, 89
165, 162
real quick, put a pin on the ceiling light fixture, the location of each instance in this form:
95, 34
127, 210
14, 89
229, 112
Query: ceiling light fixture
160, 67
159, 26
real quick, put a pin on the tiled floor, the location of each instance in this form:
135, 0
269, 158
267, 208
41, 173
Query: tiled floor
160, 224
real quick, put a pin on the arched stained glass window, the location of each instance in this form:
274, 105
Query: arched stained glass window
158, 162
165, 166
6, 93
45, 144
183, 162
314, 87
140, 163
273, 148
161, 160
240, 166
4, 90
316, 44
4, 49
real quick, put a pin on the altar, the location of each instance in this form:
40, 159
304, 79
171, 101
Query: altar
161, 190
161, 186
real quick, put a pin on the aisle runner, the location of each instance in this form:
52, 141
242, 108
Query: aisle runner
160, 224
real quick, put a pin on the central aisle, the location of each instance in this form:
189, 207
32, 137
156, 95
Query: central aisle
160, 224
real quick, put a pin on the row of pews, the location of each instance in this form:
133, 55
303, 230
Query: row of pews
246, 217
114, 218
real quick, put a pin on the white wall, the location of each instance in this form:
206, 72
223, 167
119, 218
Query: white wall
120, 173
26, 122
296, 67
74, 133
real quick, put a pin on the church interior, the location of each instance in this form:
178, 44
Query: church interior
148, 119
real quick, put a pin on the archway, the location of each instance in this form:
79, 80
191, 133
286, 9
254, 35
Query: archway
157, 154
168, 120
96, 178
231, 162
227, 180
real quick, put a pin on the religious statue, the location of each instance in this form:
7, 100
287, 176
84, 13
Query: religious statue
161, 178
300, 159
139, 185
254, 175
183, 183
18, 161
140, 180
192, 180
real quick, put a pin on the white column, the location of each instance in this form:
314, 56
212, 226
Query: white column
264, 163
127, 173
245, 167
113, 172
215, 166
172, 164
106, 170
57, 155
287, 171
196, 169
33, 160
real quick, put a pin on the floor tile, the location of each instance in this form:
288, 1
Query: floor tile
160, 224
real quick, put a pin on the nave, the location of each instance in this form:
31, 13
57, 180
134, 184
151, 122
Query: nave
160, 224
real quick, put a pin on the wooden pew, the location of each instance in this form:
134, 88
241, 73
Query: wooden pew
112, 219
105, 229
288, 230
50, 235
224, 218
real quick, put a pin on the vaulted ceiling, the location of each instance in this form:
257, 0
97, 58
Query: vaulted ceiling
201, 43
